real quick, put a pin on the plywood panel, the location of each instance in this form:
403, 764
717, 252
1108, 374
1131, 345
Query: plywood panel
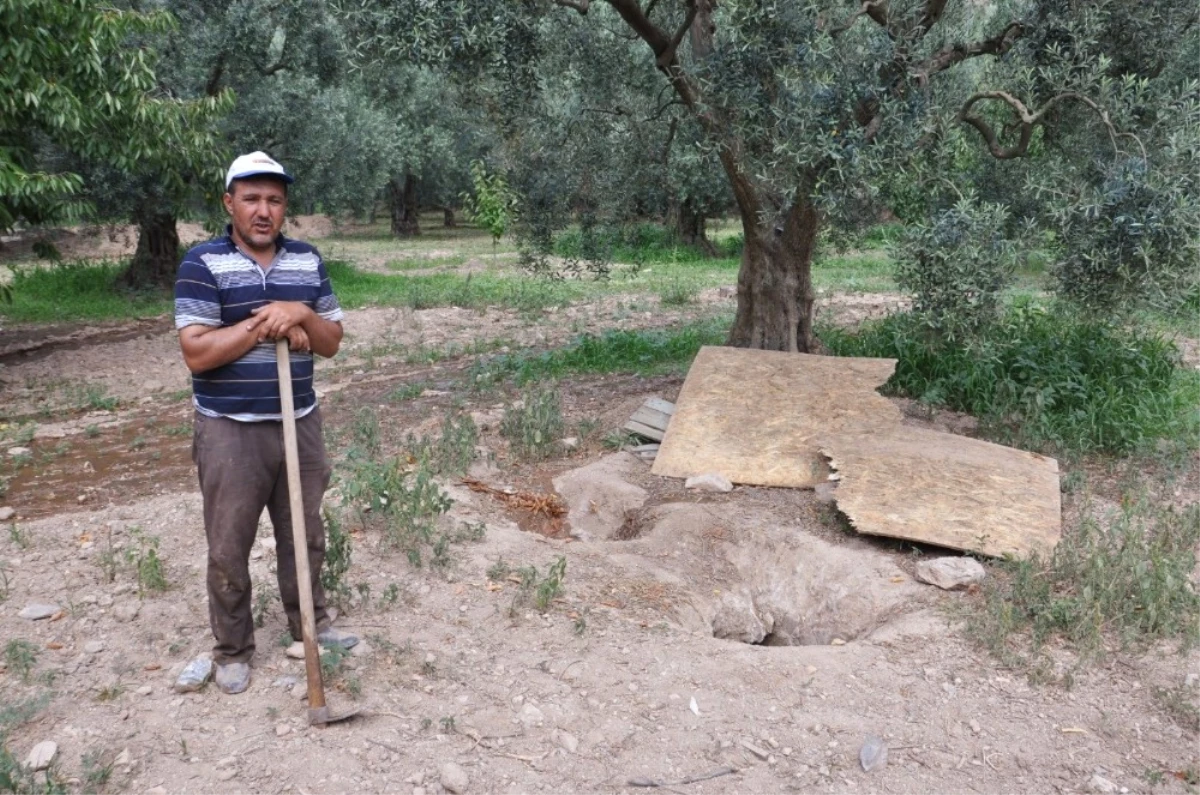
948, 490
755, 416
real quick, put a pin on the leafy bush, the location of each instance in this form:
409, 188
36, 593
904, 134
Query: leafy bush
535, 424
956, 265
1042, 377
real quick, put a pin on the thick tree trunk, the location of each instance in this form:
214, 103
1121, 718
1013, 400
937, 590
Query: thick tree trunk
775, 292
402, 199
448, 219
157, 256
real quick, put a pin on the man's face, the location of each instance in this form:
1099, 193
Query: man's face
256, 207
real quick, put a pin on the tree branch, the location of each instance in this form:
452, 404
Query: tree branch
999, 44
579, 5
1027, 121
877, 11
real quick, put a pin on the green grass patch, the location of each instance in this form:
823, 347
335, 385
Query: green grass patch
1043, 378
644, 244
357, 288
642, 352
77, 291
1120, 580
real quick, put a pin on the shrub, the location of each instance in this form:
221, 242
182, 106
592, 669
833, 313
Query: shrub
1042, 377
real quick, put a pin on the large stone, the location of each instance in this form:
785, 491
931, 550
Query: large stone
36, 611
454, 779
127, 611
7, 513
599, 495
709, 481
41, 755
951, 572
16, 452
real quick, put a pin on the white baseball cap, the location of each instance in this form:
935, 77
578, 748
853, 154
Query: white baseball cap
256, 164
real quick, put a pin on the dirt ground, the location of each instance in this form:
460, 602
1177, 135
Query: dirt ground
621, 683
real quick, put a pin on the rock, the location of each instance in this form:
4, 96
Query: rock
361, 649
194, 675
228, 774
950, 573
124, 759
41, 755
531, 715
152, 386
127, 611
599, 496
300, 691
570, 443
296, 650
7, 513
1098, 783
709, 481
761, 753
874, 754
144, 690
282, 729
36, 611
104, 600
94, 646
567, 740
285, 682
15, 452
454, 779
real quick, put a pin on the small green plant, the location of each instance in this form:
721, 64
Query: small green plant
535, 424
493, 204
263, 597
96, 768
3, 582
332, 658
679, 293
499, 571
407, 392
92, 431
1118, 579
95, 397
533, 586
111, 692
551, 585
21, 656
448, 725
18, 536
619, 440
147, 565
390, 595
338, 551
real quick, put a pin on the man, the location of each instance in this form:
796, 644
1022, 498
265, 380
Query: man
234, 297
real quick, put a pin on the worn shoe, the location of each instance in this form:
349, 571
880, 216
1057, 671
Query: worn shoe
233, 678
332, 637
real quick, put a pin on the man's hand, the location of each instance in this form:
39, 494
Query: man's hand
298, 340
278, 318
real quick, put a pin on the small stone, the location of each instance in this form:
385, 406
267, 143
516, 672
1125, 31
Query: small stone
710, 481
873, 755
124, 759
228, 761
144, 690
975, 727
194, 675
36, 611
568, 741
950, 573
454, 779
361, 649
1098, 783
227, 774
570, 443
285, 682
7, 513
94, 646
127, 611
152, 386
761, 753
300, 691
41, 755
282, 730
531, 715
104, 600
296, 650
15, 452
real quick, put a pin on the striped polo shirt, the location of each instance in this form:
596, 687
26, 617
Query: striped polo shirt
218, 285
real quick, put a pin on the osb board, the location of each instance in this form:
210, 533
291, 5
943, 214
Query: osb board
948, 490
754, 416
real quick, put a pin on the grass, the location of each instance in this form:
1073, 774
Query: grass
642, 352
20, 656
77, 291
1044, 378
1122, 579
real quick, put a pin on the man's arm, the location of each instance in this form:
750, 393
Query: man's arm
208, 347
278, 317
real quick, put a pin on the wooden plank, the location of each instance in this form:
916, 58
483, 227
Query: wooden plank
658, 404
648, 416
644, 430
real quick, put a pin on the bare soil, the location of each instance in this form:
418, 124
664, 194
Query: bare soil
620, 681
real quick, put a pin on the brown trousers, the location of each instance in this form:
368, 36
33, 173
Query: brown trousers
242, 469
